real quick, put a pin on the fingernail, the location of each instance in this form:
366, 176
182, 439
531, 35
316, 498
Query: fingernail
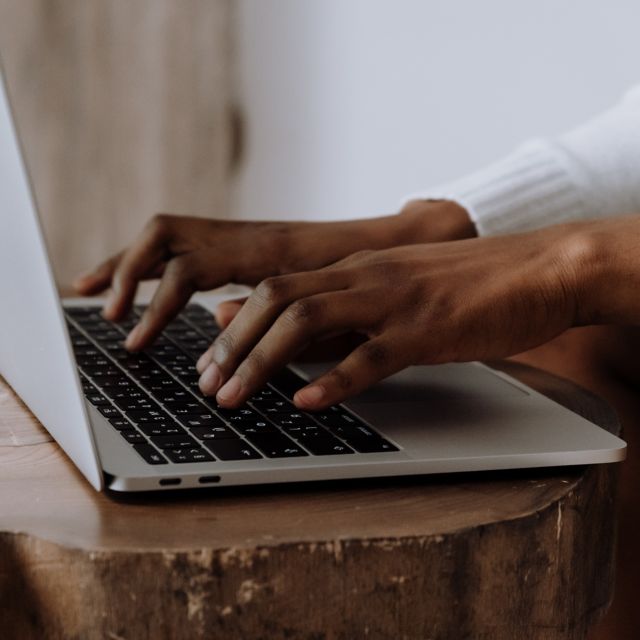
219, 352
132, 338
230, 391
210, 380
309, 396
204, 361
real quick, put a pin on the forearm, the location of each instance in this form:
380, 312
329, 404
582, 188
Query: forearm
590, 172
309, 245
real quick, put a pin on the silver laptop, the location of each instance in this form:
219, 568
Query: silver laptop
133, 422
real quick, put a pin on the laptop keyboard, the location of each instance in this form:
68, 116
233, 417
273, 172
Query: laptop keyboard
153, 400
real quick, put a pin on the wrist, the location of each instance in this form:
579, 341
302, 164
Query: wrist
311, 245
607, 265
423, 221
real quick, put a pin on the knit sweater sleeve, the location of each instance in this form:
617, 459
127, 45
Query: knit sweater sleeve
592, 171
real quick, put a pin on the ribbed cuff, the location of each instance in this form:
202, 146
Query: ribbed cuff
529, 189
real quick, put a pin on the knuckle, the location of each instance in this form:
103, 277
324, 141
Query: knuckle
386, 271
180, 268
376, 354
255, 363
341, 379
159, 224
272, 291
303, 312
364, 255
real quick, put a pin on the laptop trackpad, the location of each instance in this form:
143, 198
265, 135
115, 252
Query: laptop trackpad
438, 385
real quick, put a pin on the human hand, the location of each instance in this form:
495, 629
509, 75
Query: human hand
191, 254
418, 304
424, 220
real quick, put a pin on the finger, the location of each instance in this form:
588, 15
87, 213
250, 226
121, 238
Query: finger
88, 284
147, 253
372, 361
178, 283
226, 311
270, 298
298, 325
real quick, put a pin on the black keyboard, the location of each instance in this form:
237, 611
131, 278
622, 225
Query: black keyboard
153, 400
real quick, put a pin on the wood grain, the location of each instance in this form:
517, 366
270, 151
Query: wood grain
504, 555
124, 111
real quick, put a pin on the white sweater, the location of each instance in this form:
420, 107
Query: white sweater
592, 171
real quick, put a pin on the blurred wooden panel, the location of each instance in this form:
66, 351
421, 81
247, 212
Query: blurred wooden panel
123, 109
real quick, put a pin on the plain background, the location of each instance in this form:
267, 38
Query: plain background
351, 104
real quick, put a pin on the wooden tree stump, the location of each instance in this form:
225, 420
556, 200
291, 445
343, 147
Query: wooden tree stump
510, 555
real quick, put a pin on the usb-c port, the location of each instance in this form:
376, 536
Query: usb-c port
209, 479
168, 482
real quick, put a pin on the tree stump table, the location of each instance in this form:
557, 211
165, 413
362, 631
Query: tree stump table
509, 555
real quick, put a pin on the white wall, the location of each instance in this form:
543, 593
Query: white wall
353, 103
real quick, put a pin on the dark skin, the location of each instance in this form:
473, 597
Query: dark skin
190, 254
410, 299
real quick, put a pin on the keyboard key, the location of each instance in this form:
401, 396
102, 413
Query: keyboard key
94, 363
161, 429
311, 430
107, 336
79, 312
273, 405
148, 416
173, 394
276, 445
151, 455
120, 423
110, 382
371, 445
265, 394
213, 433
174, 442
86, 352
188, 455
254, 426
109, 412
129, 394
184, 407
159, 383
238, 415
345, 425
96, 399
285, 420
334, 416
325, 446
228, 449
132, 436
134, 405
201, 420
94, 371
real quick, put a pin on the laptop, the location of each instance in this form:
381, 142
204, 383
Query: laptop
137, 422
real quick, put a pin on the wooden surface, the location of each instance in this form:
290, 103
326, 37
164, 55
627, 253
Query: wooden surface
495, 555
124, 110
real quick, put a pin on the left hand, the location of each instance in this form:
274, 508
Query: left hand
416, 304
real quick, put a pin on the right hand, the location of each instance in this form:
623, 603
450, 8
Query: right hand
197, 254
